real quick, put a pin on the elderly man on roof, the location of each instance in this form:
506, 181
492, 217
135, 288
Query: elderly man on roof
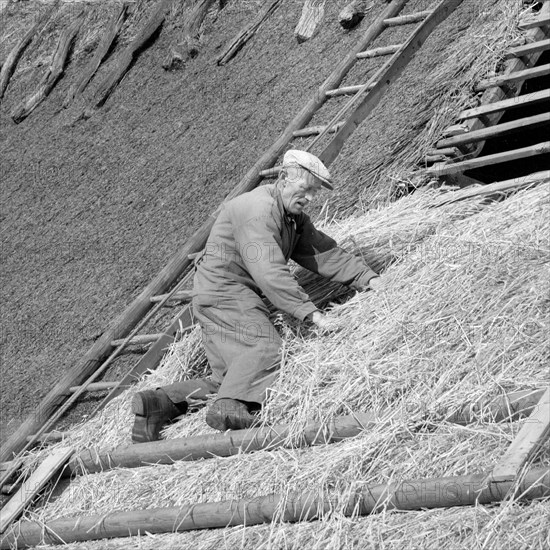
244, 259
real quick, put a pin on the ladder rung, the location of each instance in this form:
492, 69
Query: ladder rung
347, 90
271, 172
180, 296
406, 19
526, 49
535, 72
95, 386
533, 22
139, 339
314, 130
378, 52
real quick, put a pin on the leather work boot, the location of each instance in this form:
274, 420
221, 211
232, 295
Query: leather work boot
230, 414
153, 410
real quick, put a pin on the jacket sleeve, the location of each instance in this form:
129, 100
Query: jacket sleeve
319, 253
260, 250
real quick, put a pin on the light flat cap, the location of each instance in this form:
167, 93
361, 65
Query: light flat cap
311, 163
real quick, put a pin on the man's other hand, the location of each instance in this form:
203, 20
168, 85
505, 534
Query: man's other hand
327, 323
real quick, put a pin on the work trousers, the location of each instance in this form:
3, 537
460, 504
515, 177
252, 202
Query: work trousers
242, 347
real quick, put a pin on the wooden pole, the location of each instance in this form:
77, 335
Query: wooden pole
294, 507
123, 324
226, 444
508, 407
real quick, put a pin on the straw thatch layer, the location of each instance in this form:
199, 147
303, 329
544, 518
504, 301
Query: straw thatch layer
465, 316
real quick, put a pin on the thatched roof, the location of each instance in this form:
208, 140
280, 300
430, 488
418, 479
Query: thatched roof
465, 316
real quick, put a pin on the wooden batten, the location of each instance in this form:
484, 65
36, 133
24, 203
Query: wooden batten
371, 498
529, 48
489, 160
535, 22
510, 78
506, 104
518, 125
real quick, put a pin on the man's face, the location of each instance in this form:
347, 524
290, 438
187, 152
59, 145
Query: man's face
300, 187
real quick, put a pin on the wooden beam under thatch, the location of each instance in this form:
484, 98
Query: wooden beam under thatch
313, 12
231, 50
53, 74
366, 499
15, 54
114, 27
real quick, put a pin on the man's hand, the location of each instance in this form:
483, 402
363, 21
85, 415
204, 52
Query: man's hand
377, 284
327, 323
